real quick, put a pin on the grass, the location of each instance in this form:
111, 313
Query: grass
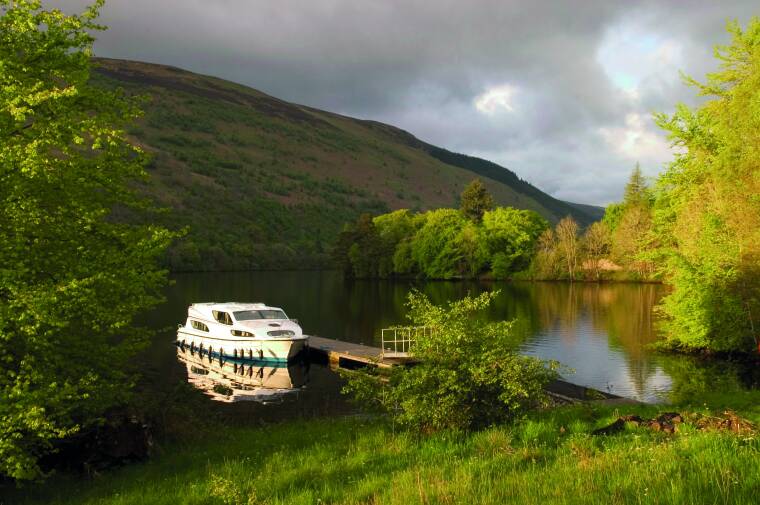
552, 457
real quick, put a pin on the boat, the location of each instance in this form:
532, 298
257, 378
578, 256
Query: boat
242, 330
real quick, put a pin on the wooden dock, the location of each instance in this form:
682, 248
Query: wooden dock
340, 354
348, 354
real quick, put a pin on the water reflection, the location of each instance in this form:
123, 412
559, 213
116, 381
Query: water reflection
232, 380
600, 330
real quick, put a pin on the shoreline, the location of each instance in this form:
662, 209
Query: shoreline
408, 278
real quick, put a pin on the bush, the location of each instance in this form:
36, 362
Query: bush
468, 375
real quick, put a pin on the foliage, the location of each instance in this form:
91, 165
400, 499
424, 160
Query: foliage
73, 275
612, 216
468, 376
439, 244
596, 245
546, 263
707, 214
568, 244
631, 231
620, 246
475, 200
510, 236
392, 229
434, 247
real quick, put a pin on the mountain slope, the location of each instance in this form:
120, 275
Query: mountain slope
263, 183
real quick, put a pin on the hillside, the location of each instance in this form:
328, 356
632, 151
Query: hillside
263, 183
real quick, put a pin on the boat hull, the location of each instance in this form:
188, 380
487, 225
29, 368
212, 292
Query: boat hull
278, 350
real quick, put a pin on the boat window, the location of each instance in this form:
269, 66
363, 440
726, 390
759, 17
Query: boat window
199, 325
248, 315
222, 317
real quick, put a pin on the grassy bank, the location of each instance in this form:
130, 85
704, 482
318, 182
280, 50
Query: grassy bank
551, 458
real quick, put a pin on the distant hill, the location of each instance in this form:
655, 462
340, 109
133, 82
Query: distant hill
596, 213
263, 183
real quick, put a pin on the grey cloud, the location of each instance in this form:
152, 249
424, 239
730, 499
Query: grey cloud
420, 65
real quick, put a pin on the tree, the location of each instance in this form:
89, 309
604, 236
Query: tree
630, 223
568, 244
510, 235
596, 245
392, 228
475, 201
73, 275
469, 374
546, 260
472, 248
636, 190
435, 247
359, 249
613, 214
707, 214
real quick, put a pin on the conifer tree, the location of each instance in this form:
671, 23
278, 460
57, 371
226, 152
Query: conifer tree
475, 200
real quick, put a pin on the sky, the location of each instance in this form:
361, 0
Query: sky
560, 92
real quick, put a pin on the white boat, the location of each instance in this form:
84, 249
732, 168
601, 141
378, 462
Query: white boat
242, 330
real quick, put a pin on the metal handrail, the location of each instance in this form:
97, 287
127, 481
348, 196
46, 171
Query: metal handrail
402, 346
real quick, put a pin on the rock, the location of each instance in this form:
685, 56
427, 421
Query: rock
615, 427
633, 419
670, 417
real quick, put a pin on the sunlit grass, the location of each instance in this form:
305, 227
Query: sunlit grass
550, 458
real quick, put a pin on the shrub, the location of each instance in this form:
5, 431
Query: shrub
468, 375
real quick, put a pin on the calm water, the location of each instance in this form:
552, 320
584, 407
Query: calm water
600, 332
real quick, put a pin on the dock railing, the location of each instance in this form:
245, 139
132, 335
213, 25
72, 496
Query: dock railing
398, 342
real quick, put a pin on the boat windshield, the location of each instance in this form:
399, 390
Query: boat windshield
249, 315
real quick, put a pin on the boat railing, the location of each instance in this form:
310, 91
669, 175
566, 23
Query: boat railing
398, 342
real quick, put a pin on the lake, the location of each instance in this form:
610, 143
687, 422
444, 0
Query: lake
599, 332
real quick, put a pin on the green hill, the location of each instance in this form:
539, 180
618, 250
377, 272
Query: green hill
263, 183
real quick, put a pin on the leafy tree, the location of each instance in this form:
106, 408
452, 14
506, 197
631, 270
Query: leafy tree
473, 251
707, 214
469, 374
568, 244
403, 260
440, 244
340, 249
392, 228
435, 247
613, 213
546, 262
73, 276
475, 200
363, 248
510, 236
596, 246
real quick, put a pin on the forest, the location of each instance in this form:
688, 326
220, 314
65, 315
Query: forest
479, 240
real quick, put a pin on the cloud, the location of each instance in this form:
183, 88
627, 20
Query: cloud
496, 99
637, 141
559, 92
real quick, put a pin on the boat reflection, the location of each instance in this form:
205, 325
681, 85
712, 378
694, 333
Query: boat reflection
235, 380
